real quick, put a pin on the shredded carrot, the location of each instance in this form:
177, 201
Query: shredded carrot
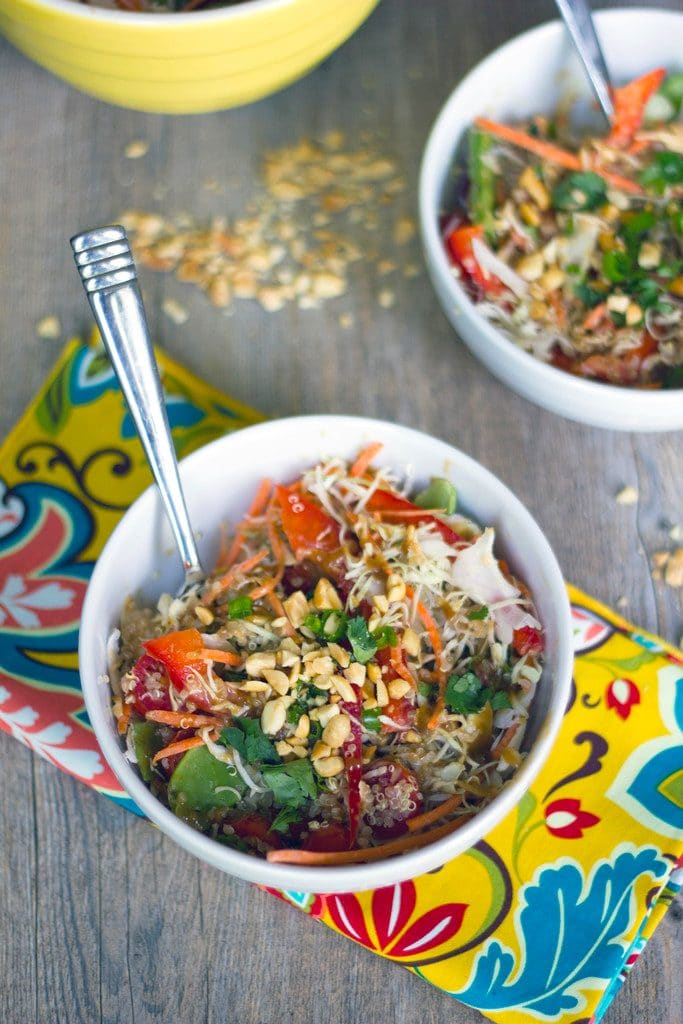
180, 719
390, 849
178, 748
260, 501
365, 458
225, 657
234, 549
440, 704
399, 666
421, 821
559, 309
504, 740
548, 151
595, 317
124, 718
249, 563
278, 553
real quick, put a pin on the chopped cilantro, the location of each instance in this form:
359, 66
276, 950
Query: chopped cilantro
674, 377
240, 607
362, 643
581, 190
385, 636
246, 736
616, 266
466, 695
635, 224
589, 296
292, 784
665, 169
478, 614
285, 818
295, 711
425, 689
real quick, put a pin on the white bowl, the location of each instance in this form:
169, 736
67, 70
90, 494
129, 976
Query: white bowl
220, 481
530, 74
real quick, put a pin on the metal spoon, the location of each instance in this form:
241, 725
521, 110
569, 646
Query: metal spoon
105, 263
578, 18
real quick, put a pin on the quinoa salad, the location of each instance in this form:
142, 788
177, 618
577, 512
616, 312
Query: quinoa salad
573, 245
352, 681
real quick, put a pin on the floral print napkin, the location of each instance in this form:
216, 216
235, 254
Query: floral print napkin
542, 920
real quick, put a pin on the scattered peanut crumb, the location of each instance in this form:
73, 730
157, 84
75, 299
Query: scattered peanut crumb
676, 533
49, 327
404, 230
174, 311
136, 149
622, 602
668, 566
346, 321
628, 495
290, 244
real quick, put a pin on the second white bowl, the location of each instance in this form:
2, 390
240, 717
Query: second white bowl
528, 75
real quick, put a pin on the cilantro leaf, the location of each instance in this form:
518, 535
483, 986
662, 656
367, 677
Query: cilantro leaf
464, 694
500, 700
247, 737
284, 819
385, 636
292, 784
425, 689
581, 190
589, 296
665, 169
362, 643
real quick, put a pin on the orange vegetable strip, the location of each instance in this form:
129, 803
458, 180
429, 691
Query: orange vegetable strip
439, 706
180, 719
178, 748
260, 501
224, 657
437, 647
595, 317
390, 849
234, 549
245, 566
365, 458
124, 718
547, 150
278, 551
420, 821
504, 740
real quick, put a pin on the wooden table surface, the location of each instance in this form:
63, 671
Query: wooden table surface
102, 918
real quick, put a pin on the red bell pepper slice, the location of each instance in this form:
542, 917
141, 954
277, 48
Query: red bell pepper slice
459, 244
528, 640
179, 653
352, 750
629, 106
330, 838
307, 526
254, 826
387, 502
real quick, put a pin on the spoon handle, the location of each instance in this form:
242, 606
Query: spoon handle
578, 18
105, 264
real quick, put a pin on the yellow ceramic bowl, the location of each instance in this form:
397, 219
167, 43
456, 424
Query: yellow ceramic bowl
181, 63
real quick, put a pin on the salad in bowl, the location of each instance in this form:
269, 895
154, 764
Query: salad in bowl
368, 679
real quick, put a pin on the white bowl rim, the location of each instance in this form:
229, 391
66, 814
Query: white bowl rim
353, 877
145, 21
437, 259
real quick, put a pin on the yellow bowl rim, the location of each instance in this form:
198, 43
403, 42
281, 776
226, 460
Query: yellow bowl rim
146, 21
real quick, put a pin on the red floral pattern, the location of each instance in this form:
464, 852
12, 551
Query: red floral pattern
622, 695
398, 933
566, 820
